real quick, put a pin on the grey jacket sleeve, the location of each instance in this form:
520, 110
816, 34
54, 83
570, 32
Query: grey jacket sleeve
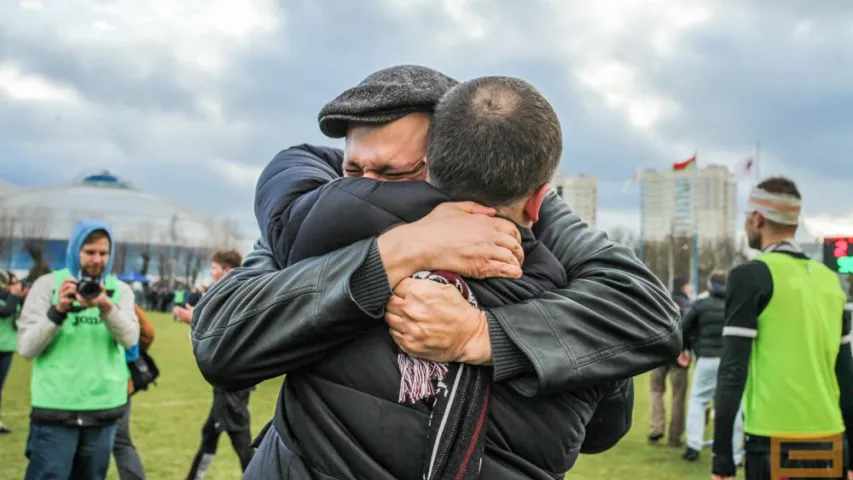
122, 321
259, 321
35, 330
614, 320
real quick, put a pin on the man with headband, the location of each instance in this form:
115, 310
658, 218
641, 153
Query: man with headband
786, 347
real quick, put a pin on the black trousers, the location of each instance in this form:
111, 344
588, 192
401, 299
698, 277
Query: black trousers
229, 413
126, 456
758, 462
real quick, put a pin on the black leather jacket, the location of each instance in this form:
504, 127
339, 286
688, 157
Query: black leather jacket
612, 321
343, 411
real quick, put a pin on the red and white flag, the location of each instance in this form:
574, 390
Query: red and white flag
635, 177
744, 169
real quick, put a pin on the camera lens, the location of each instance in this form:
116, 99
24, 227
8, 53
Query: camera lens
88, 289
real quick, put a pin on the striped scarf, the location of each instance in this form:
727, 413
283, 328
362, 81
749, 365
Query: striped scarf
459, 395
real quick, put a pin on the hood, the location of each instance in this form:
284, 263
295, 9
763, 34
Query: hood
83, 229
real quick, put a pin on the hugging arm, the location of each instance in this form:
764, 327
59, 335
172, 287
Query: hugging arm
259, 321
263, 320
273, 315
613, 320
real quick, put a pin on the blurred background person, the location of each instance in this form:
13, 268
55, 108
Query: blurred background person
703, 335
11, 293
230, 410
677, 373
127, 458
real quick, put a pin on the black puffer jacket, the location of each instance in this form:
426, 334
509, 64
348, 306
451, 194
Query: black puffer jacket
703, 324
342, 413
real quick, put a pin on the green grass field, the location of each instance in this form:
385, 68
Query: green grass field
166, 421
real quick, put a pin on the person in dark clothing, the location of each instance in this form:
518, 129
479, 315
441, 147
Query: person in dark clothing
703, 334
10, 307
194, 297
230, 409
676, 370
786, 348
520, 154
127, 458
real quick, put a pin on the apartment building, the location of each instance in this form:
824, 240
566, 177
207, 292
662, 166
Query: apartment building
681, 201
581, 193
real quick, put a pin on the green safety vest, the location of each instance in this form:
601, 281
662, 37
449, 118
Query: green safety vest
791, 388
179, 298
84, 368
8, 334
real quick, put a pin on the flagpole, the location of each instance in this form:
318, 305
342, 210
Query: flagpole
757, 163
695, 191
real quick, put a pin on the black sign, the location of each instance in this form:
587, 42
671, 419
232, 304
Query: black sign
838, 254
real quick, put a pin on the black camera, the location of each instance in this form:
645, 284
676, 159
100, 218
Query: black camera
89, 288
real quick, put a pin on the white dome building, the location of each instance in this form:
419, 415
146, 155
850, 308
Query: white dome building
142, 223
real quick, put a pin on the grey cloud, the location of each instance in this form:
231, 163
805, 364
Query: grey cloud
738, 78
105, 76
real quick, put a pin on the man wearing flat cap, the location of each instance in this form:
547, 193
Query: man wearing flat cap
614, 319
786, 352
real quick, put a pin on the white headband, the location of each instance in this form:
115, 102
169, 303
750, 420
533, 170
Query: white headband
777, 207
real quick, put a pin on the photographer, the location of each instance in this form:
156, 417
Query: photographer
75, 325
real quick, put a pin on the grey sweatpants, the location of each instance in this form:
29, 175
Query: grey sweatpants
127, 458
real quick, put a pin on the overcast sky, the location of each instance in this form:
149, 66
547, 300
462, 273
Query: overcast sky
189, 99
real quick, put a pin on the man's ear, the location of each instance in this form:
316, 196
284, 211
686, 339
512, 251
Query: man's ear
758, 221
534, 203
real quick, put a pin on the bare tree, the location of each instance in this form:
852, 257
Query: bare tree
226, 234
742, 251
143, 239
120, 258
194, 260
669, 257
623, 236
173, 245
165, 270
174, 229
8, 233
720, 254
35, 228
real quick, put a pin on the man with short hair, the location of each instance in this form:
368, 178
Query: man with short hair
230, 410
703, 334
263, 320
75, 325
786, 346
497, 141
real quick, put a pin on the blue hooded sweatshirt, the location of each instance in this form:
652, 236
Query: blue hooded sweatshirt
82, 230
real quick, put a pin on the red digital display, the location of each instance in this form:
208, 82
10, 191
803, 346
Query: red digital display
838, 254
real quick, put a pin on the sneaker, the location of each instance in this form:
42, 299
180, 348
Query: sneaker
4, 429
654, 437
690, 455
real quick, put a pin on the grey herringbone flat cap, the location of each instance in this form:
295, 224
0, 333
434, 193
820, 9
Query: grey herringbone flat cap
385, 96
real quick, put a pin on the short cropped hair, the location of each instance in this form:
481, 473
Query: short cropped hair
493, 140
780, 185
228, 258
719, 277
